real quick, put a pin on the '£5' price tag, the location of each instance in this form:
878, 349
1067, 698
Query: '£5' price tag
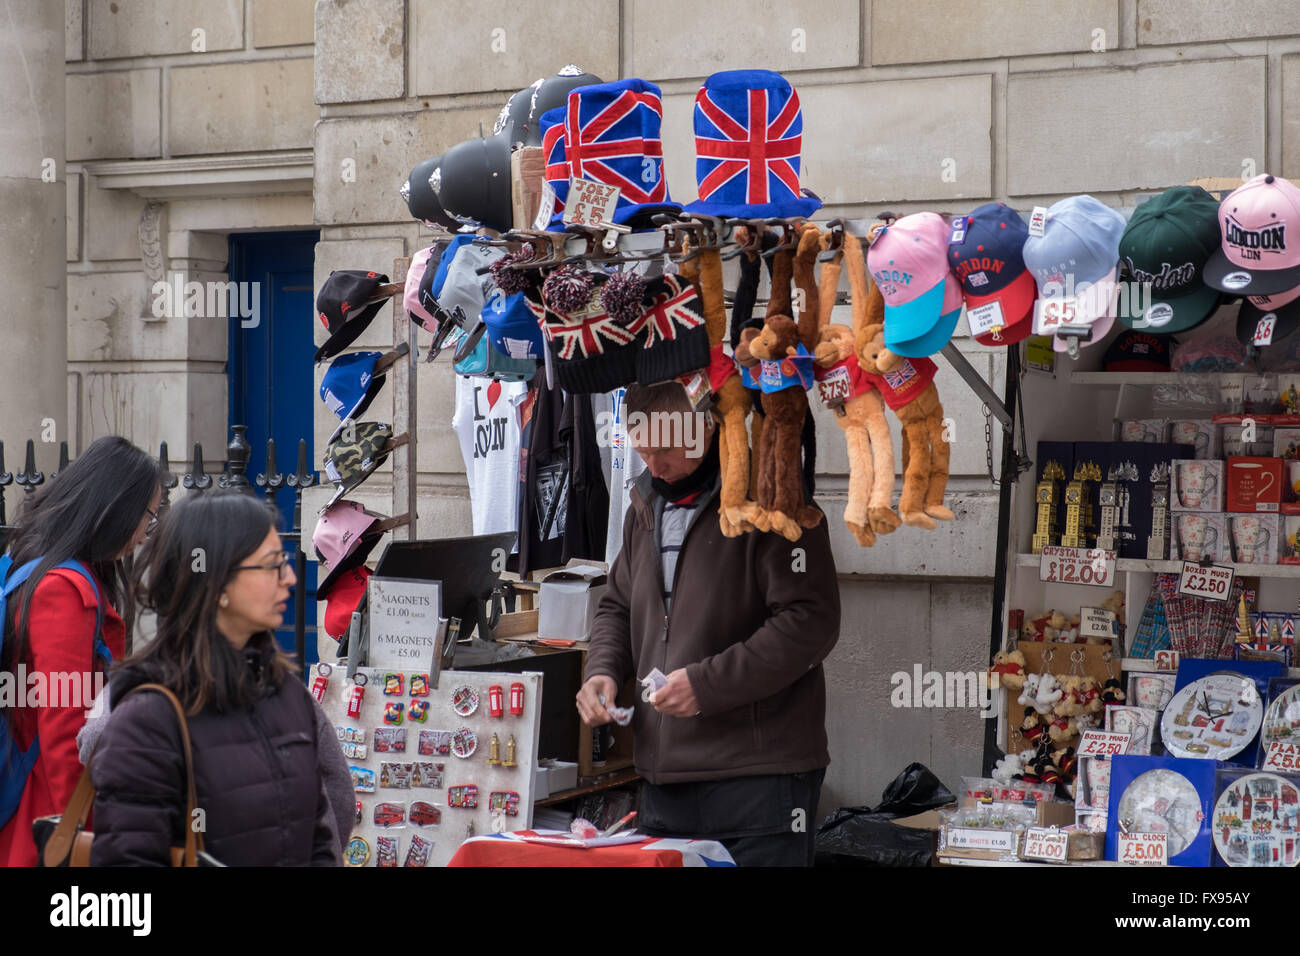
1143, 849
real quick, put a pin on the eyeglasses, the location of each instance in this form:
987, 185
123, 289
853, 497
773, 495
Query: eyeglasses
152, 526
285, 563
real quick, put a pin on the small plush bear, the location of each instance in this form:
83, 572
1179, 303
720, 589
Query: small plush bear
1009, 669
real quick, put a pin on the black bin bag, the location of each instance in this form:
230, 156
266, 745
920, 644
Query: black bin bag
861, 836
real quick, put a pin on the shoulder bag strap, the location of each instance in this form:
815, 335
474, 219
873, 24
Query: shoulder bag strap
59, 845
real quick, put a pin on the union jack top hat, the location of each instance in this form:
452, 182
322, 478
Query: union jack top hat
748, 136
551, 125
612, 136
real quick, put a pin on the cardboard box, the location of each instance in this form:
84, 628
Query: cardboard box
1289, 548
1256, 539
1201, 434
1254, 485
560, 775
1084, 845
568, 600
541, 783
1197, 535
1196, 485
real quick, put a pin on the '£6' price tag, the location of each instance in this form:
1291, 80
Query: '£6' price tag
1264, 330
1143, 849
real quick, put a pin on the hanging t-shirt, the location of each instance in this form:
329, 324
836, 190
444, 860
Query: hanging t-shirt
486, 423
619, 462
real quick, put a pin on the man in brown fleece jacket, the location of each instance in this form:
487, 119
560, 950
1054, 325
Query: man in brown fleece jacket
733, 747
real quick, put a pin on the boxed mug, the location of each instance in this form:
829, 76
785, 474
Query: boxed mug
1254, 485
1146, 429
1255, 538
1199, 536
1201, 434
1196, 485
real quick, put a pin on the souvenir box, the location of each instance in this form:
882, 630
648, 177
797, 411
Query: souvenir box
1201, 434
1196, 485
1196, 535
1163, 795
1254, 485
1153, 691
1256, 819
1140, 723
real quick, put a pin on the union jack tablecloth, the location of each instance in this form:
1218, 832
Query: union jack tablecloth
511, 849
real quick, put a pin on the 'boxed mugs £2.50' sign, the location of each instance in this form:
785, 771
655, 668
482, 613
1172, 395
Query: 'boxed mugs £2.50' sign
404, 622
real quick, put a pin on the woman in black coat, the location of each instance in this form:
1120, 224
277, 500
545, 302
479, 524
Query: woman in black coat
216, 576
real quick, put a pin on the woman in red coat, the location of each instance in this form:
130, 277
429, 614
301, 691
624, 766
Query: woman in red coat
96, 511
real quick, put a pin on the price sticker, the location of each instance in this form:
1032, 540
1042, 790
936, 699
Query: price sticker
1103, 743
1143, 849
1264, 330
986, 318
1043, 843
1213, 583
1038, 221
1282, 756
1077, 566
590, 204
1166, 660
973, 838
546, 208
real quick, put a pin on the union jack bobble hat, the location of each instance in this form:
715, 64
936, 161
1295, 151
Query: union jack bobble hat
677, 341
612, 135
748, 138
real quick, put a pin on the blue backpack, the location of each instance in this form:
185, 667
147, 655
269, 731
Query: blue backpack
16, 764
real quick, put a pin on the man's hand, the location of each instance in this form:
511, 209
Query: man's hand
590, 708
676, 699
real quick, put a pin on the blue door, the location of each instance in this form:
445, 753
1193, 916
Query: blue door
270, 374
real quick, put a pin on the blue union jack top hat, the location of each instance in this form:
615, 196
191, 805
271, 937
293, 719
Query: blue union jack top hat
612, 136
551, 126
748, 136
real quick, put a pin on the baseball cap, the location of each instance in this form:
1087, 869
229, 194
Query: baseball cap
1284, 307
411, 292
345, 535
1254, 257
465, 283
351, 460
1137, 351
351, 384
512, 327
1075, 264
1166, 244
990, 268
909, 262
341, 307
344, 598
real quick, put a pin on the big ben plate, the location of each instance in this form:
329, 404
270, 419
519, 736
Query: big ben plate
1255, 821
1282, 719
1213, 718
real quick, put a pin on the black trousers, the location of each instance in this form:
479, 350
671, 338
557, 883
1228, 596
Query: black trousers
762, 821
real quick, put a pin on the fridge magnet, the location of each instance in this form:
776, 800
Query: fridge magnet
464, 700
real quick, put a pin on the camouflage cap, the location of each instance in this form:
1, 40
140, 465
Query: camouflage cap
351, 458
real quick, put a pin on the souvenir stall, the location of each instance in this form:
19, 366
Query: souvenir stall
565, 274
1151, 577
1145, 598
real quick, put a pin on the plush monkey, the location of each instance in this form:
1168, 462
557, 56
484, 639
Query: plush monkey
908, 388
860, 409
780, 488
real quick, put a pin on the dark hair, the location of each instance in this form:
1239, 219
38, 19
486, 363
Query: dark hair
660, 397
181, 573
89, 511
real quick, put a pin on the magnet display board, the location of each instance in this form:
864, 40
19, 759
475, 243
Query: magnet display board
415, 776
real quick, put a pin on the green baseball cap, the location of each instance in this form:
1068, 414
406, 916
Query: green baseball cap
351, 459
1166, 244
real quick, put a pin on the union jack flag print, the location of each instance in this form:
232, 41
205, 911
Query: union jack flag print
553, 152
612, 136
674, 307
587, 333
747, 145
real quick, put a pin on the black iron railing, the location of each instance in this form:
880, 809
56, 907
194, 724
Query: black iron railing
233, 474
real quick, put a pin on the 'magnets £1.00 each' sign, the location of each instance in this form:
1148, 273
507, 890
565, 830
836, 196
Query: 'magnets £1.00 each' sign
404, 622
